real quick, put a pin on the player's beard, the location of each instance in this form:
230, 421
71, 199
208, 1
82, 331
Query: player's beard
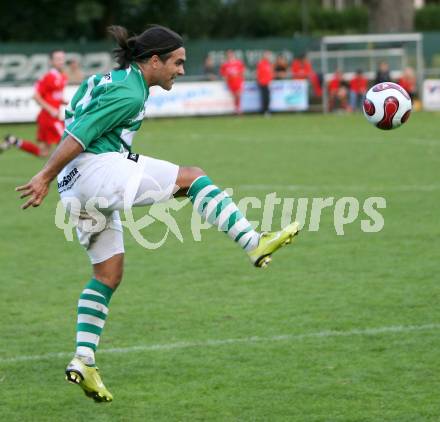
169, 83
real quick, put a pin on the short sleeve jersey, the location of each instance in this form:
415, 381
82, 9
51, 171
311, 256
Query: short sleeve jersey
51, 87
359, 85
107, 110
264, 72
301, 69
233, 71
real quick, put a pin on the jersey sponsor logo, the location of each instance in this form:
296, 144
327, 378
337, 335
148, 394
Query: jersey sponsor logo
133, 157
69, 180
107, 79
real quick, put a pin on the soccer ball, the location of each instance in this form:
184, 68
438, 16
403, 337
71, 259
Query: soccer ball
387, 105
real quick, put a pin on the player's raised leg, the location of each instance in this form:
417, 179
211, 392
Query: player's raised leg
218, 208
41, 149
10, 141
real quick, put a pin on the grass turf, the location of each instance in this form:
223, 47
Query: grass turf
192, 298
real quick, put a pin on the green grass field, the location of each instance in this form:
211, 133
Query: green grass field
339, 328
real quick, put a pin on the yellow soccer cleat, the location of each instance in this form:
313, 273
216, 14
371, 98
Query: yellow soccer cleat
77, 372
271, 242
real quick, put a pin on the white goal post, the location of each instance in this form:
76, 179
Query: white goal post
371, 41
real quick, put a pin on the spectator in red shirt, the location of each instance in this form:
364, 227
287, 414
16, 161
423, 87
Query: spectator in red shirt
337, 92
408, 82
49, 94
358, 89
232, 71
264, 78
302, 69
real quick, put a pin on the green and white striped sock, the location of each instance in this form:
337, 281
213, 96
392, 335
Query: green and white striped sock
218, 208
92, 312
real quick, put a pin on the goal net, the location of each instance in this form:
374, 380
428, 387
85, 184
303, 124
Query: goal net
347, 53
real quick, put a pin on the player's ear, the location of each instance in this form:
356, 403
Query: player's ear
155, 61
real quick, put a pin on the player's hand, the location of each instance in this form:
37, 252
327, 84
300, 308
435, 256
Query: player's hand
37, 189
61, 115
53, 112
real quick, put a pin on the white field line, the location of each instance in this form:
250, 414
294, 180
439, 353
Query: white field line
396, 329
328, 188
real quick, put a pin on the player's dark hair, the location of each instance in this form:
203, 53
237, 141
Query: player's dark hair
155, 40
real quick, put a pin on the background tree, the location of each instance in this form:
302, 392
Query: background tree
87, 20
391, 15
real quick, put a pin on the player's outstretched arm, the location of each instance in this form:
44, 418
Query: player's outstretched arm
46, 106
38, 187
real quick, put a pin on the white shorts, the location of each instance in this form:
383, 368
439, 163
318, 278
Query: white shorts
95, 187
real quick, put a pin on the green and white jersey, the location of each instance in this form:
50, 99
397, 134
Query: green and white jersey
107, 110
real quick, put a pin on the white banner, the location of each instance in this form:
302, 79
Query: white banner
208, 98
185, 99
17, 104
431, 94
189, 99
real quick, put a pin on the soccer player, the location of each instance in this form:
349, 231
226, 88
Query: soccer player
232, 71
94, 160
49, 94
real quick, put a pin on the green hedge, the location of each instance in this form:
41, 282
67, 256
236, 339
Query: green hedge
350, 20
428, 18
285, 20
